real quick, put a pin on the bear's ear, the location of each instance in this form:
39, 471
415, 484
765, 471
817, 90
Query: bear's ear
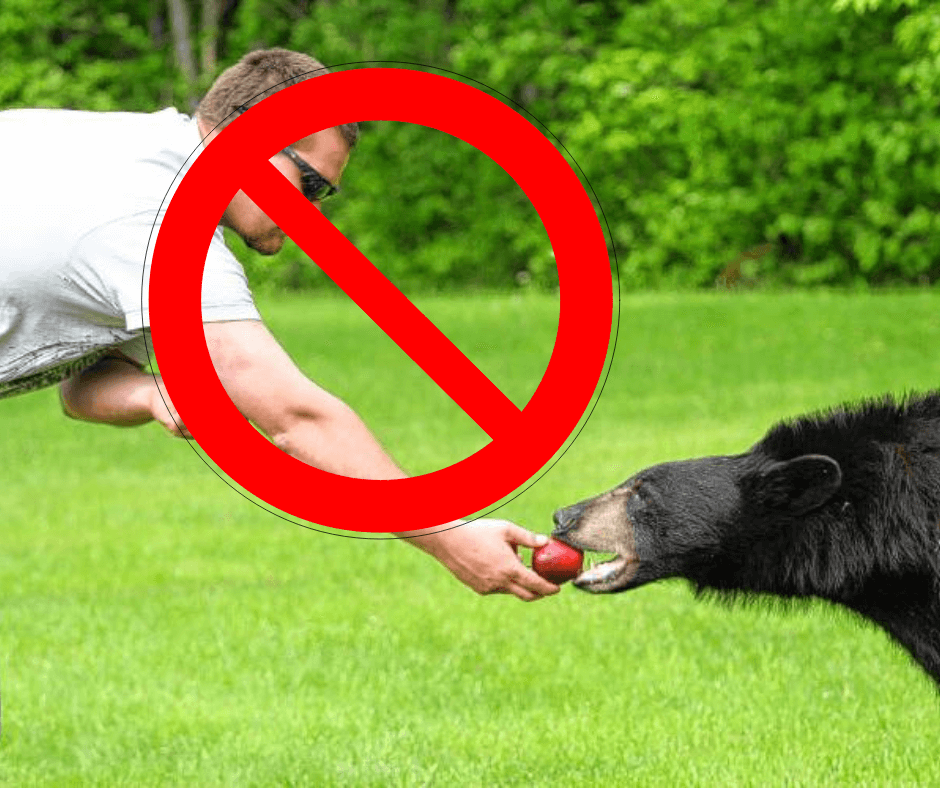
800, 484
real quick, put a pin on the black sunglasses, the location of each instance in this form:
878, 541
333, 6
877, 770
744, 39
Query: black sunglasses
314, 186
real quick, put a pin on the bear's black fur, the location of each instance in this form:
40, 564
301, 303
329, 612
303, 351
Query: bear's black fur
842, 505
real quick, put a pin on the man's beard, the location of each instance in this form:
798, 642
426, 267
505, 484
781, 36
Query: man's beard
263, 245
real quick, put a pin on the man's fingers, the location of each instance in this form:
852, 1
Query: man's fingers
523, 582
175, 429
520, 536
533, 583
181, 429
522, 593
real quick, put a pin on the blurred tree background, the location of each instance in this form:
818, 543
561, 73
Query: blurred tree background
780, 142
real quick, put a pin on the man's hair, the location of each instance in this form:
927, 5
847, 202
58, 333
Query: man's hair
258, 75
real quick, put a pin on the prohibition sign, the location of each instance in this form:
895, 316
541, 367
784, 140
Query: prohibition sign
521, 440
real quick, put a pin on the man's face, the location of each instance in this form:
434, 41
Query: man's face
325, 151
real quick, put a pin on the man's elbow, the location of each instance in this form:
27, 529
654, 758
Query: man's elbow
293, 423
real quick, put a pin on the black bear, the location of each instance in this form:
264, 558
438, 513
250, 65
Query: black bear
842, 505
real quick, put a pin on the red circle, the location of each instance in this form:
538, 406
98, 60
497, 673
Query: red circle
585, 310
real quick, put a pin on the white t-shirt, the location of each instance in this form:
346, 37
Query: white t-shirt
79, 196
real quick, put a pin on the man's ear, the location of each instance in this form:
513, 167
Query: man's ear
800, 484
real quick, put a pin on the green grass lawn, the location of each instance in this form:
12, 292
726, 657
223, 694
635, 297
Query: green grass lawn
158, 629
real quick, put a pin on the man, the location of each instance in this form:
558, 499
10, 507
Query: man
81, 192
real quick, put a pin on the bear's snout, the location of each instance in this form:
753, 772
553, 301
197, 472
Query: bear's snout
601, 525
567, 518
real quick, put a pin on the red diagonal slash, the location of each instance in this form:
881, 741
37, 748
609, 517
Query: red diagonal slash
391, 310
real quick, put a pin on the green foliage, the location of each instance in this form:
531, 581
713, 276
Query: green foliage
705, 129
80, 55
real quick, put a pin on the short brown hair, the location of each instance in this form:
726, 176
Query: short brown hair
258, 75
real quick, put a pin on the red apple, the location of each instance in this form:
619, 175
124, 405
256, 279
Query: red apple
557, 562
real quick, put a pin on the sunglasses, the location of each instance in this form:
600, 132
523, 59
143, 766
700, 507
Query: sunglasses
314, 186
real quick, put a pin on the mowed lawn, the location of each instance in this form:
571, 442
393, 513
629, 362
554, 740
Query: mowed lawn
159, 629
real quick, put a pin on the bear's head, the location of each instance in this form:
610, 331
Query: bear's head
694, 518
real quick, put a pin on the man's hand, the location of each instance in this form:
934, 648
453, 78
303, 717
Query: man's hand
483, 555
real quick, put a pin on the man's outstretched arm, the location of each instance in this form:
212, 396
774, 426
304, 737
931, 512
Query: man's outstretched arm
319, 429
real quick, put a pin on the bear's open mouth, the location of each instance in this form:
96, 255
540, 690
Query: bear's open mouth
610, 574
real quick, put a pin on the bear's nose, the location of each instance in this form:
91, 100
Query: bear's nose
567, 518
